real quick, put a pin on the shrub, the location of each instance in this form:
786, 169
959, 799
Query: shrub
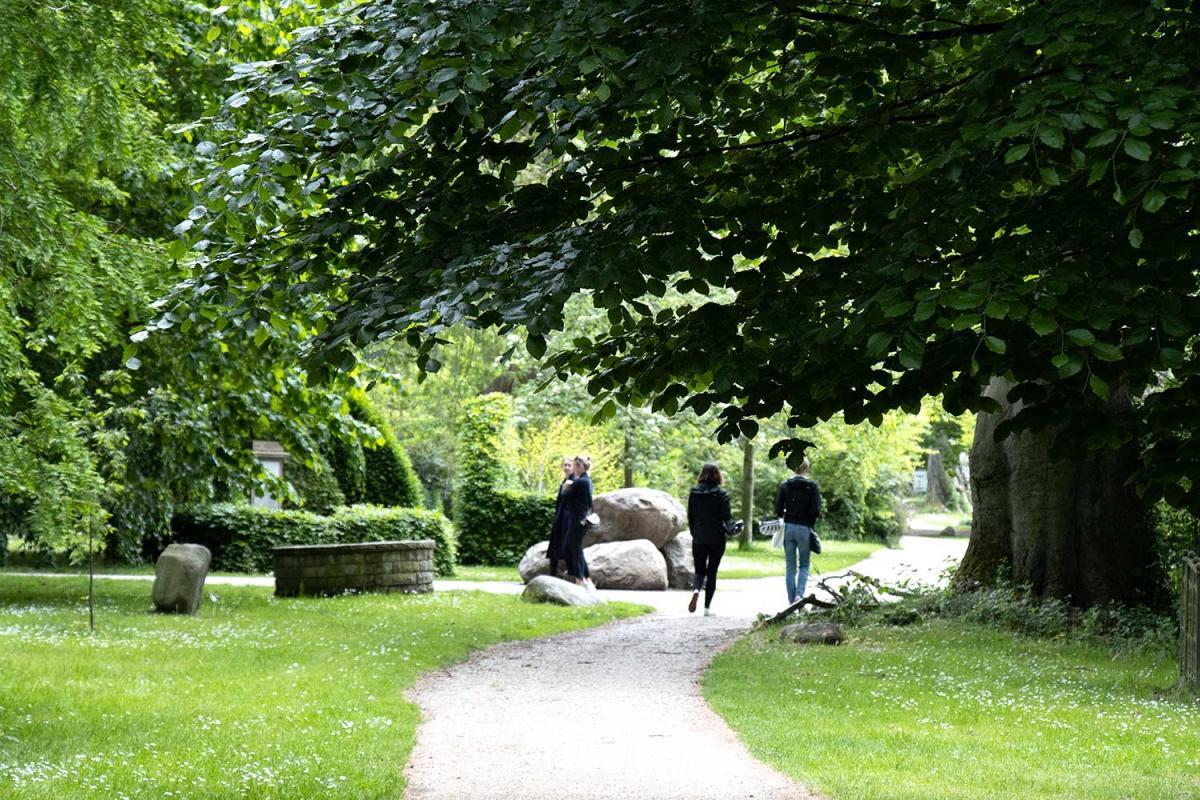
317, 486
349, 465
389, 477
495, 525
241, 537
377, 524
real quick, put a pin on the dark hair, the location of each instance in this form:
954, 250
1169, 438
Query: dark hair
710, 473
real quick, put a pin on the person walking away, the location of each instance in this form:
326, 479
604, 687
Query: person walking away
709, 519
798, 502
558, 531
579, 506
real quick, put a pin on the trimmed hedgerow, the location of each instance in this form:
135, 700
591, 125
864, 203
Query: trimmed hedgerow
389, 477
376, 524
345, 457
495, 526
241, 537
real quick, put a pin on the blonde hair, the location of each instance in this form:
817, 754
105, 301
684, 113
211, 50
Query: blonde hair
585, 459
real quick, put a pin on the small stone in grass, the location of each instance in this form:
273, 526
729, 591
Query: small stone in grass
812, 633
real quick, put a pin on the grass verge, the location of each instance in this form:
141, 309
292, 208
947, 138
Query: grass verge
958, 711
762, 560
259, 697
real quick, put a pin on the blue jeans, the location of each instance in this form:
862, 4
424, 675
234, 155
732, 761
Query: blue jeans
796, 559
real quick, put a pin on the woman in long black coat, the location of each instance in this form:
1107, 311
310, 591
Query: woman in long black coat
709, 518
579, 506
558, 531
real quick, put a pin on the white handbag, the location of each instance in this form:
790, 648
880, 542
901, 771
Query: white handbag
777, 536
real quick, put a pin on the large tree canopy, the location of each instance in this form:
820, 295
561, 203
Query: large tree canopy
893, 199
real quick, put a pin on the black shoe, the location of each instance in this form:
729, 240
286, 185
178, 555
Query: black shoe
692, 604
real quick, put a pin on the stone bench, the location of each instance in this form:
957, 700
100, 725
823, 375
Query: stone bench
364, 567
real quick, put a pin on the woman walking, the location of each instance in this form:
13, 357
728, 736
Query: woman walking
579, 506
709, 518
558, 531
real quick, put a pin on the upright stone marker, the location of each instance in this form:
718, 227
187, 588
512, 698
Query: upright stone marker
179, 577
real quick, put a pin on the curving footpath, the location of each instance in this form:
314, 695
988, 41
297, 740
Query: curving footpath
612, 712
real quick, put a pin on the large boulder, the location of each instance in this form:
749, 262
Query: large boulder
179, 577
681, 569
545, 589
627, 565
812, 633
535, 563
630, 514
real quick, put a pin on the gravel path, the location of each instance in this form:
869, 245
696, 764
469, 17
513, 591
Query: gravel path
612, 712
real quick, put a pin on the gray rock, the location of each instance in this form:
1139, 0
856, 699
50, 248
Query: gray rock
812, 633
630, 514
681, 569
627, 565
535, 563
545, 589
179, 577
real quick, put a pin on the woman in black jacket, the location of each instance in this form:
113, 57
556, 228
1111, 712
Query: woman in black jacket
709, 517
578, 506
556, 552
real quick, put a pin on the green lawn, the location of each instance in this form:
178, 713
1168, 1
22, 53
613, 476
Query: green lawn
257, 698
763, 560
953, 711
478, 573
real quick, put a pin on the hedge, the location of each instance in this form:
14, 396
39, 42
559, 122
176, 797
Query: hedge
317, 485
389, 477
495, 525
241, 537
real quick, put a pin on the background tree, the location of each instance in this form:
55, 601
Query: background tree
891, 202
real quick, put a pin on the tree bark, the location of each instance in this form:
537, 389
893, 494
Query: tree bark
938, 487
628, 459
1067, 529
747, 534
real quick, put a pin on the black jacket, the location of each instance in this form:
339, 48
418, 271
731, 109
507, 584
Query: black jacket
578, 502
708, 513
798, 501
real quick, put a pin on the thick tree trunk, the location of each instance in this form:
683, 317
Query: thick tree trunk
938, 486
628, 460
1067, 529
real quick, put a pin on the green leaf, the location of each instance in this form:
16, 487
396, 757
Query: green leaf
603, 92
1081, 336
1107, 352
1015, 154
1102, 138
1099, 387
1135, 238
261, 335
536, 345
1051, 137
878, 343
589, 64
1136, 148
1175, 326
1153, 200
1171, 358
212, 34
1061, 360
1072, 367
995, 344
1042, 324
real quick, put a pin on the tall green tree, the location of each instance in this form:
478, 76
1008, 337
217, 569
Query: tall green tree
884, 202
96, 434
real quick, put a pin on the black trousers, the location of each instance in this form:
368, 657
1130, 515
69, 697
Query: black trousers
708, 559
573, 548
